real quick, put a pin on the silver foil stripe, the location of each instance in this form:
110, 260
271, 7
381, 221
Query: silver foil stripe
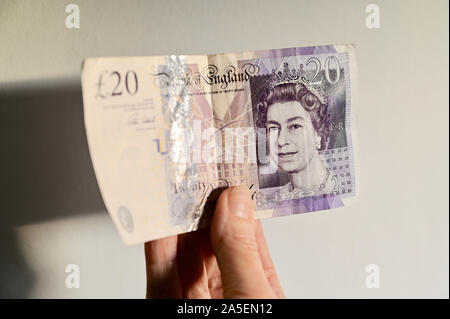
183, 207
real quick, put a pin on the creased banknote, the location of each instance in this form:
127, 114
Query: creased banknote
166, 133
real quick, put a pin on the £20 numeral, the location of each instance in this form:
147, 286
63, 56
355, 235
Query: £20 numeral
114, 84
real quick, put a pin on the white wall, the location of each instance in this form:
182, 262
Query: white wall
54, 214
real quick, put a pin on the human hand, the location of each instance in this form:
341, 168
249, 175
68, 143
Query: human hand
230, 259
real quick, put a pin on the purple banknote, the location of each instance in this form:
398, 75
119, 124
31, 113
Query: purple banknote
279, 121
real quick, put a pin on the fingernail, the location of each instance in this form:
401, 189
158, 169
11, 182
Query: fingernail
239, 202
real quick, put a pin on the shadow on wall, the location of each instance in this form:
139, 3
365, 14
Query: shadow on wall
46, 169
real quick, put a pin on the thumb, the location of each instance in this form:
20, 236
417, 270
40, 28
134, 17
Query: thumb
234, 244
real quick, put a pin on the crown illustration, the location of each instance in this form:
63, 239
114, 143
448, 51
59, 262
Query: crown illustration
298, 76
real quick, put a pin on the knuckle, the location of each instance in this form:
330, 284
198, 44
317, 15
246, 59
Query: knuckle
238, 243
215, 282
237, 290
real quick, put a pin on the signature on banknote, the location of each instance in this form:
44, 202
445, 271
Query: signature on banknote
136, 118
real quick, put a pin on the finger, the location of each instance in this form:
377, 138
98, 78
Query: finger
266, 260
191, 270
211, 266
234, 244
214, 277
161, 268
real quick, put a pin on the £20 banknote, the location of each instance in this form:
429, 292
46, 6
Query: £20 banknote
166, 133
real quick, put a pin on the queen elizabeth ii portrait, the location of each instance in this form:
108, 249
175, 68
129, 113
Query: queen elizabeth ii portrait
296, 120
